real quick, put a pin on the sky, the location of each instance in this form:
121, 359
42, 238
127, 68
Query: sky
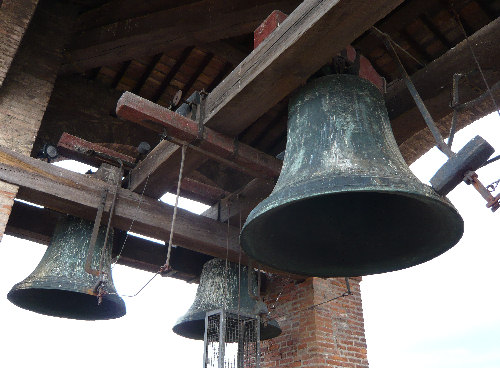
444, 313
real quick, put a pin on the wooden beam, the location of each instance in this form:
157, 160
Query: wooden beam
188, 24
306, 40
434, 83
90, 153
246, 158
79, 195
240, 203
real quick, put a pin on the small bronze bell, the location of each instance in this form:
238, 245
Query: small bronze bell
346, 203
222, 288
59, 286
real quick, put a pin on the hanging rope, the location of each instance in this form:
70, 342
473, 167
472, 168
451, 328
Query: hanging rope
166, 266
378, 32
132, 223
459, 22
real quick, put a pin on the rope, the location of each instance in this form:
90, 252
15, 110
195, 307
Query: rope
457, 17
104, 249
132, 223
383, 34
343, 295
166, 266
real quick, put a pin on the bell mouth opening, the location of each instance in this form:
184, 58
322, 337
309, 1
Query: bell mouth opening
195, 329
352, 234
68, 304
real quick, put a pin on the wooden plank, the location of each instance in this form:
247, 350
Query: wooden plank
310, 36
188, 24
79, 195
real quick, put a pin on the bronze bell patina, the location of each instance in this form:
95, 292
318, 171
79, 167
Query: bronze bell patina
59, 286
346, 203
224, 288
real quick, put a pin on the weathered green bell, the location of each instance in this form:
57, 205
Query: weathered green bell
346, 203
223, 288
59, 286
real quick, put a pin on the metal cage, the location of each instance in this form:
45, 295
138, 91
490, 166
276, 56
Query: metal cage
231, 340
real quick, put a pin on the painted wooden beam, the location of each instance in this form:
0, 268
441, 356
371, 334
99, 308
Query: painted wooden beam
220, 147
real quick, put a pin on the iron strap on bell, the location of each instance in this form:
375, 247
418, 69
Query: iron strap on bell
346, 203
59, 286
227, 289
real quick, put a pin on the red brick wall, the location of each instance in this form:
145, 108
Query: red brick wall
27, 87
15, 16
329, 335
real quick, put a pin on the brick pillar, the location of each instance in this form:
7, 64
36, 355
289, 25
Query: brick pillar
329, 335
27, 87
15, 15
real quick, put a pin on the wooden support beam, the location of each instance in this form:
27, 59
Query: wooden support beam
181, 129
306, 40
240, 203
188, 24
79, 195
90, 153
32, 223
434, 83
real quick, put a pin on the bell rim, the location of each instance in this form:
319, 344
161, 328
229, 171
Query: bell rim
196, 323
21, 296
267, 206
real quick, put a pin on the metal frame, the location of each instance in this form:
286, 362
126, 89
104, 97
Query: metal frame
222, 328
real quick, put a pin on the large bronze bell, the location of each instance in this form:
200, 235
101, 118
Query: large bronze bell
223, 288
59, 286
346, 203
